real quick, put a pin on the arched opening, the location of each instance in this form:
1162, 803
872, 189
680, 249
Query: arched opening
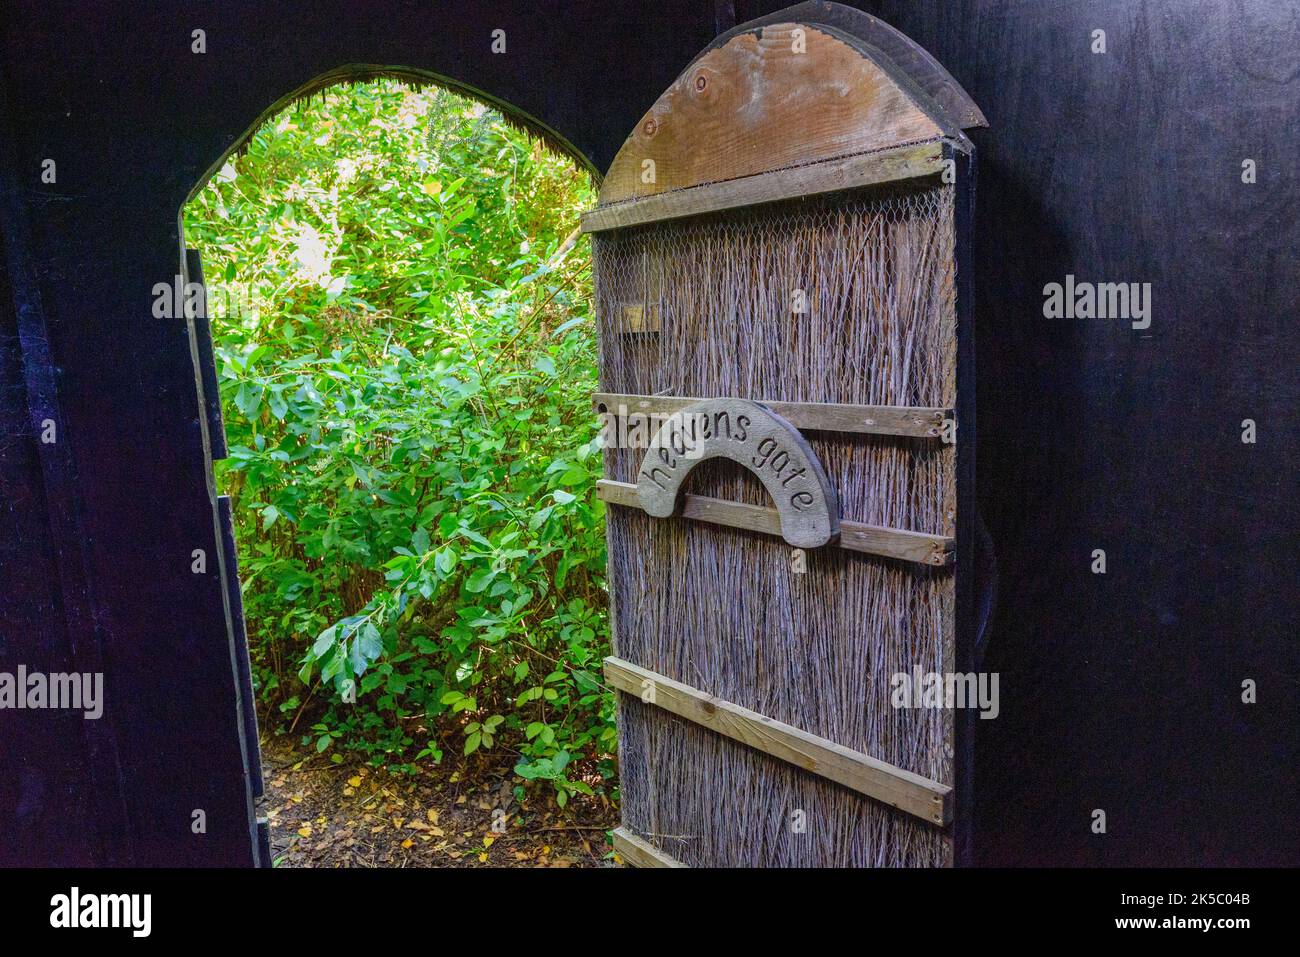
399, 305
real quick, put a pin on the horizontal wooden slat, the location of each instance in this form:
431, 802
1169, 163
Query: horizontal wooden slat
877, 779
854, 536
638, 852
851, 172
918, 421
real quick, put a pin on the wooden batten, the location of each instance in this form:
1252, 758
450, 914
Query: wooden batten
907, 546
852, 172
917, 795
638, 319
638, 852
914, 421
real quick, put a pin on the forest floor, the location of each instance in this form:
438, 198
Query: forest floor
351, 815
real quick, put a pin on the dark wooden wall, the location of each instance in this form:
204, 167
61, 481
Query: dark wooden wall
1119, 692
1123, 691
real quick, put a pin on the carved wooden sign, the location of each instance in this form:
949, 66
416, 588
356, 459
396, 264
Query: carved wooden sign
757, 438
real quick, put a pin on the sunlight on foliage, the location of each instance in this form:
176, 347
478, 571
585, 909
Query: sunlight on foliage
402, 320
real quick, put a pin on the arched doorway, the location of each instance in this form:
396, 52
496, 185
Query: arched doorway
398, 328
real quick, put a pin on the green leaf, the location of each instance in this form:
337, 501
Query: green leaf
564, 327
324, 642
480, 580
357, 658
248, 399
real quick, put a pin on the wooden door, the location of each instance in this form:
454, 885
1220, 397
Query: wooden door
783, 303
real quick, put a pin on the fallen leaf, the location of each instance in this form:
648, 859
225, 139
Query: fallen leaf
354, 781
304, 831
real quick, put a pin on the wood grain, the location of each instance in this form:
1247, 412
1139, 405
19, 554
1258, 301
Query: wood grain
854, 536
868, 169
916, 421
880, 780
758, 104
639, 319
908, 57
638, 852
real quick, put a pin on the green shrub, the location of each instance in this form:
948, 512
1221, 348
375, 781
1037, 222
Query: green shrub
406, 384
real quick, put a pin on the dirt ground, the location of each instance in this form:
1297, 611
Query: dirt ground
350, 815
